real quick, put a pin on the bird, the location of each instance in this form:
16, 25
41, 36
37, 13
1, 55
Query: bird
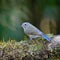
33, 32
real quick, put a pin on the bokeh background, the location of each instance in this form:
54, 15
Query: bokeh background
44, 14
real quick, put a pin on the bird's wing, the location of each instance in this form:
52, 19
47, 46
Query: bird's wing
34, 31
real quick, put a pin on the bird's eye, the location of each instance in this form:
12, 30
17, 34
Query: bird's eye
25, 24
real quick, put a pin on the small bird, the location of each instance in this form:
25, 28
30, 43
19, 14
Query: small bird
33, 32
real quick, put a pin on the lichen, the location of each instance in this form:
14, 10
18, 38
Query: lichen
27, 50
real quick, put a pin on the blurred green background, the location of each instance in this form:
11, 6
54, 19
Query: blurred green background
44, 14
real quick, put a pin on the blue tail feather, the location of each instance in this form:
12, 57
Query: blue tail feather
46, 37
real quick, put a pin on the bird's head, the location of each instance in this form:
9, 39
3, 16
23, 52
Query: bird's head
25, 25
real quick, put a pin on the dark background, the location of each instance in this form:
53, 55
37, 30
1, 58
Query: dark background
44, 14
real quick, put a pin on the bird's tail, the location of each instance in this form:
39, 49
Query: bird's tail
46, 37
